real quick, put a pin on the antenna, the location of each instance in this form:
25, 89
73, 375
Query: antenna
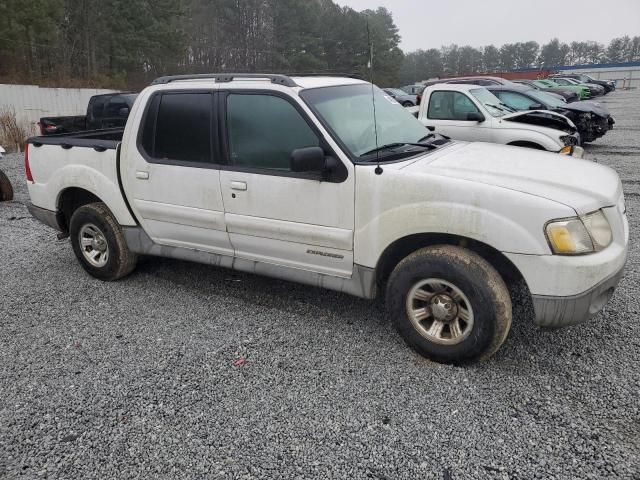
378, 169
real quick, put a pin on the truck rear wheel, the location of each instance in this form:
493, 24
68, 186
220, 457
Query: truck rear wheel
99, 244
6, 190
449, 304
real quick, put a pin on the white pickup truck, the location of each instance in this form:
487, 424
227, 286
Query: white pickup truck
474, 114
291, 177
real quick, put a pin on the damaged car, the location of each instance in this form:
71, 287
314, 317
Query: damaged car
592, 119
473, 113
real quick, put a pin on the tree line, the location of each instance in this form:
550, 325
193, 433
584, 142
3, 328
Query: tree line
454, 60
125, 43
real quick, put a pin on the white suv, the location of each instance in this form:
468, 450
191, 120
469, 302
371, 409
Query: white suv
290, 177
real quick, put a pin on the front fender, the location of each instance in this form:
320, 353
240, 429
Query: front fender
506, 220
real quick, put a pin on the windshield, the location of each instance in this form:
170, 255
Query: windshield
348, 111
491, 103
547, 99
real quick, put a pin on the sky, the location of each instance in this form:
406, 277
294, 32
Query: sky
427, 24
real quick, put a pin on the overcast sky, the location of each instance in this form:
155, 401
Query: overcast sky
433, 23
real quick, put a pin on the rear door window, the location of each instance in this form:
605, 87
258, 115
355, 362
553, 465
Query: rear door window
177, 128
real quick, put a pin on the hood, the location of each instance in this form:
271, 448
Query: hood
588, 106
580, 184
542, 118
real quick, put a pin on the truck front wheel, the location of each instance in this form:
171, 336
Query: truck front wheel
449, 304
99, 244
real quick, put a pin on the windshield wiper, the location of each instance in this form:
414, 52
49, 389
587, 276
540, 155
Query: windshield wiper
497, 107
391, 146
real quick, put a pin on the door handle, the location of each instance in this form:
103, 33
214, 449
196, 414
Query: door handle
239, 186
431, 128
142, 175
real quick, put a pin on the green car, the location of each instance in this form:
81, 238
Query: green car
581, 90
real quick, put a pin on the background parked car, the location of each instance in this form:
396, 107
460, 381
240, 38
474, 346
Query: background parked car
581, 90
472, 113
568, 95
592, 119
477, 80
416, 90
594, 90
400, 96
608, 85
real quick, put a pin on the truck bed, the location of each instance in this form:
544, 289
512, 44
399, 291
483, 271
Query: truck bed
84, 160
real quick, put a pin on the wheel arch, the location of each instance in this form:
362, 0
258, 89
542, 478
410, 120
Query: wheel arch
69, 200
404, 246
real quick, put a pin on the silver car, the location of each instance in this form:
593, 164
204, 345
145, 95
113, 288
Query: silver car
403, 98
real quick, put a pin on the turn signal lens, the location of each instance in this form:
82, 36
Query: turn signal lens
598, 226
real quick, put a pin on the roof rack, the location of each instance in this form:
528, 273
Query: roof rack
227, 77
323, 74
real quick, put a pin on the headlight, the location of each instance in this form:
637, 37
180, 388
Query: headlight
569, 140
574, 236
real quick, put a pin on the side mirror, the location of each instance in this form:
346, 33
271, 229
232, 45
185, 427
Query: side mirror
123, 112
308, 159
475, 117
536, 106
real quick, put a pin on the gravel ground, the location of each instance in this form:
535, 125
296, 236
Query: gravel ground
140, 378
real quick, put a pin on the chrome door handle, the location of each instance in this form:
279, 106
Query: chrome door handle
142, 175
239, 186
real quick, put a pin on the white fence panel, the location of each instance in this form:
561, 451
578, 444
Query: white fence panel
31, 102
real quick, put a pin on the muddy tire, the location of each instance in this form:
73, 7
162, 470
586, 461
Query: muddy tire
6, 189
99, 244
449, 304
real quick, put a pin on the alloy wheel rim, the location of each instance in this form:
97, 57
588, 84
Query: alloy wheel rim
93, 245
440, 311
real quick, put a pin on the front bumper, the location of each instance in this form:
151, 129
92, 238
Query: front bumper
564, 311
52, 219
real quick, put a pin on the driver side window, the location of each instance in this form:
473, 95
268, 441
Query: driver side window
450, 106
263, 130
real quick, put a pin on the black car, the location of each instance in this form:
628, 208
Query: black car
608, 85
568, 95
592, 119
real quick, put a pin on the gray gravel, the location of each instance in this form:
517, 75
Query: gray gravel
136, 379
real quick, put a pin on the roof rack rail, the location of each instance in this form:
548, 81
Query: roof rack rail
323, 74
227, 77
